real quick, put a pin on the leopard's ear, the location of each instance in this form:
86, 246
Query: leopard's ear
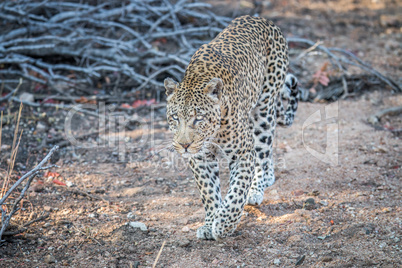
214, 88
170, 86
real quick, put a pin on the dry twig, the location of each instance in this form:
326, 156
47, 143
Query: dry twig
375, 118
30, 175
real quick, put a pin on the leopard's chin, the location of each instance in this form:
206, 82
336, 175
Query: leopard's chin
186, 155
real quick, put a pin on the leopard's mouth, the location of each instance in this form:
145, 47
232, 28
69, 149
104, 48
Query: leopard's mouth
188, 150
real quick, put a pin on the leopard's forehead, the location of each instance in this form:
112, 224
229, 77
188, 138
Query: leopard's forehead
185, 105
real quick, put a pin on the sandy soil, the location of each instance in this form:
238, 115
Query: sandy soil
331, 206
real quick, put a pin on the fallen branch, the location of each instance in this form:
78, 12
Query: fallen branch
30, 175
375, 118
24, 228
93, 197
13, 92
339, 62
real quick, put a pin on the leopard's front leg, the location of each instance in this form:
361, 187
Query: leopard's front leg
206, 173
228, 215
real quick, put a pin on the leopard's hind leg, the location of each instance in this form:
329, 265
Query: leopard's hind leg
264, 122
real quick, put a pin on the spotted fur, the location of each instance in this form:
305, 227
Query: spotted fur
227, 103
290, 93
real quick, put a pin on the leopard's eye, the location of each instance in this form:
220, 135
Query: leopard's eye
198, 118
175, 117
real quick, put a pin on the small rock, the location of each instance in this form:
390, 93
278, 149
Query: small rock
50, 259
324, 203
47, 208
69, 184
389, 20
309, 204
314, 193
140, 225
396, 239
277, 261
132, 191
5, 147
185, 229
326, 259
273, 192
51, 232
27, 97
360, 194
130, 215
37, 188
298, 192
40, 127
184, 243
386, 210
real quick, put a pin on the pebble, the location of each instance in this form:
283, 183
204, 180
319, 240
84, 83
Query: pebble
383, 244
92, 215
50, 259
309, 204
298, 192
37, 188
184, 243
40, 127
69, 184
185, 229
5, 147
47, 208
386, 210
324, 203
140, 225
326, 259
130, 215
277, 261
314, 193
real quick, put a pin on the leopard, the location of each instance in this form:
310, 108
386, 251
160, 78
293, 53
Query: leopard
227, 106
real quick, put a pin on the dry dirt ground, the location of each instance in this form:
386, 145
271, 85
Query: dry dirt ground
336, 201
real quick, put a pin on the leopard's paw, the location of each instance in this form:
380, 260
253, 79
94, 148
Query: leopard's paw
255, 198
225, 223
205, 232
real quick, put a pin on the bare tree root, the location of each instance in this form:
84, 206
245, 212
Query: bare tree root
5, 219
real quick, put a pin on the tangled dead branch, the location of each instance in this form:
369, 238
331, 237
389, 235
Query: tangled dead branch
71, 46
81, 49
341, 59
5, 219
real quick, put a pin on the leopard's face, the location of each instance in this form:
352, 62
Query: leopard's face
193, 115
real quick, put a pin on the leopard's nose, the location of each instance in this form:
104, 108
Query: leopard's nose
185, 145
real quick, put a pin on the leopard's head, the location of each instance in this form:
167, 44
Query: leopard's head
193, 114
